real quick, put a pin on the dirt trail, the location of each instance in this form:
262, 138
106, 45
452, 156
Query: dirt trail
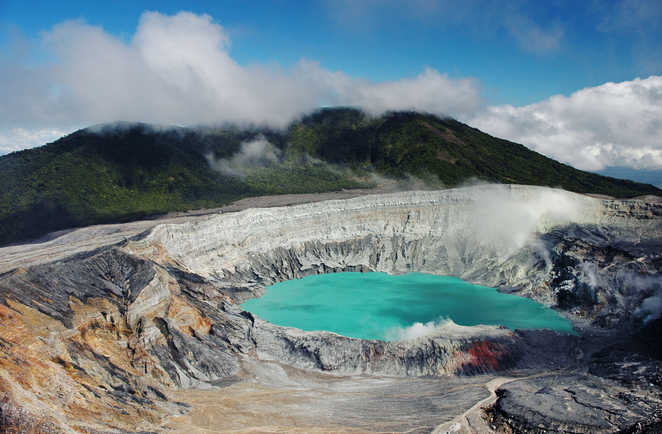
471, 421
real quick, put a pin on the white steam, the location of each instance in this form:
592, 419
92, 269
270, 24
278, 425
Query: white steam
629, 282
651, 308
419, 330
252, 154
443, 327
506, 223
591, 276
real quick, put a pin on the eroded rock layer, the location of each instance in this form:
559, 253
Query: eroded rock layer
101, 339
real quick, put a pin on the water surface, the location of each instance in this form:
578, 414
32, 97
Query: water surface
382, 306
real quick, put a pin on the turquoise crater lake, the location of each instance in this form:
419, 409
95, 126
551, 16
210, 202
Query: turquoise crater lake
387, 307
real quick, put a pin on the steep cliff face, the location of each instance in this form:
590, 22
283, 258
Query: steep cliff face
99, 339
557, 247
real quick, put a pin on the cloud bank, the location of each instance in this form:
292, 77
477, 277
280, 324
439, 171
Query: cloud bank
615, 124
178, 70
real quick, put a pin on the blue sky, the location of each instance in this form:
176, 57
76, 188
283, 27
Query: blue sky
596, 42
512, 68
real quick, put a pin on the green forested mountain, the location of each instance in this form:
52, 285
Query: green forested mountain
127, 171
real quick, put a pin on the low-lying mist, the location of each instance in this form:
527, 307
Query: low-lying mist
258, 155
252, 154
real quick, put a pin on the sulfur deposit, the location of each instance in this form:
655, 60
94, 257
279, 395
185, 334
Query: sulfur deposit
130, 327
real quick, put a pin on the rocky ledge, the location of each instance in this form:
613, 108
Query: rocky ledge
104, 338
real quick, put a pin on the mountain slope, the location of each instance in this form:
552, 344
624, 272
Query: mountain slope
430, 147
129, 171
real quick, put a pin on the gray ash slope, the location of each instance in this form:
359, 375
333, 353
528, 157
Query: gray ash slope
102, 338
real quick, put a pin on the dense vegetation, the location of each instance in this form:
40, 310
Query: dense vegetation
430, 147
129, 171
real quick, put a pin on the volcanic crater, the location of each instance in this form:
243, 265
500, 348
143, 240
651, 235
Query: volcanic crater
138, 326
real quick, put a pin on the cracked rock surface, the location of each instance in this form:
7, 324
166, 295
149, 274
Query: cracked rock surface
575, 403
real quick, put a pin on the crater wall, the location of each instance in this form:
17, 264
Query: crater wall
514, 237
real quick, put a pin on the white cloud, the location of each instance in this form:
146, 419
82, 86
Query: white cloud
483, 18
429, 91
532, 37
178, 70
637, 20
15, 139
630, 15
614, 124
